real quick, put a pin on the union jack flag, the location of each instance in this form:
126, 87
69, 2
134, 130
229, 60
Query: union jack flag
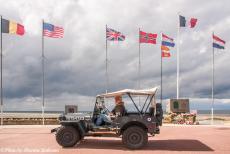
113, 35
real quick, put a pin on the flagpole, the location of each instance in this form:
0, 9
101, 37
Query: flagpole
161, 69
212, 80
178, 57
139, 66
1, 79
139, 63
43, 76
106, 60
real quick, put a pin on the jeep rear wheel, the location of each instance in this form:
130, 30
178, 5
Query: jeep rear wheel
135, 137
67, 136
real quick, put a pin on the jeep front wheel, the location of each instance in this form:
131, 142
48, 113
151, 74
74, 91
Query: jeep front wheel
67, 136
134, 137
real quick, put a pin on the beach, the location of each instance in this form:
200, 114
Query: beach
23, 118
219, 119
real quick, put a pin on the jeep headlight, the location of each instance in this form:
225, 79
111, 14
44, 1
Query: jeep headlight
61, 118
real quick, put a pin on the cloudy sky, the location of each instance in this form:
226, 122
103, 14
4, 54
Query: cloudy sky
75, 65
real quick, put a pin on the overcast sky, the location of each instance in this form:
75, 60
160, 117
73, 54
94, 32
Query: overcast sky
75, 65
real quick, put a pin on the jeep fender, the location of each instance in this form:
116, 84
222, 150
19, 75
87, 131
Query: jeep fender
133, 123
79, 126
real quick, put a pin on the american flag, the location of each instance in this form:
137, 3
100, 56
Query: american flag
50, 30
113, 35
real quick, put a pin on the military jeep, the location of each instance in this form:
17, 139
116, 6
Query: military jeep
133, 127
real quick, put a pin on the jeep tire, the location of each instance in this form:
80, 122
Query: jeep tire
67, 136
134, 137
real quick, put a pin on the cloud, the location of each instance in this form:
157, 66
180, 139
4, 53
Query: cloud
75, 65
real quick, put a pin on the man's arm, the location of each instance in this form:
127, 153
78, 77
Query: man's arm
113, 111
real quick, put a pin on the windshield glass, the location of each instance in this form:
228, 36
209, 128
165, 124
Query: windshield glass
129, 106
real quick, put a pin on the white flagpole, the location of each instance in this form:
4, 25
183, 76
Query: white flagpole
139, 63
43, 76
1, 78
161, 69
212, 81
139, 67
106, 60
178, 58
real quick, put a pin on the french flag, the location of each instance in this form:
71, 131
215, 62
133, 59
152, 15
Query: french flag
218, 42
184, 22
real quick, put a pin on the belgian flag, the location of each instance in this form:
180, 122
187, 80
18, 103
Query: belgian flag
12, 27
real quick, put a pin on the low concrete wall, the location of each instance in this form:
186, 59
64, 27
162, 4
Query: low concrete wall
30, 121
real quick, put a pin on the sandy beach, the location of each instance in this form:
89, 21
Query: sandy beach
52, 119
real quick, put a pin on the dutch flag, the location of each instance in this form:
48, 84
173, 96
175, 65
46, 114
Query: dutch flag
167, 41
218, 42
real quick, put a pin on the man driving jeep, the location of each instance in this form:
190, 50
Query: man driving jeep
103, 116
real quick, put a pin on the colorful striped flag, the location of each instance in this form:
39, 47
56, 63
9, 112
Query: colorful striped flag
50, 30
218, 42
12, 27
166, 43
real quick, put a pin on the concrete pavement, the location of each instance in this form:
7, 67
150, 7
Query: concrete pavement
173, 139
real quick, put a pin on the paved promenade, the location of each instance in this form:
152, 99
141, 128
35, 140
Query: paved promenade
173, 139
